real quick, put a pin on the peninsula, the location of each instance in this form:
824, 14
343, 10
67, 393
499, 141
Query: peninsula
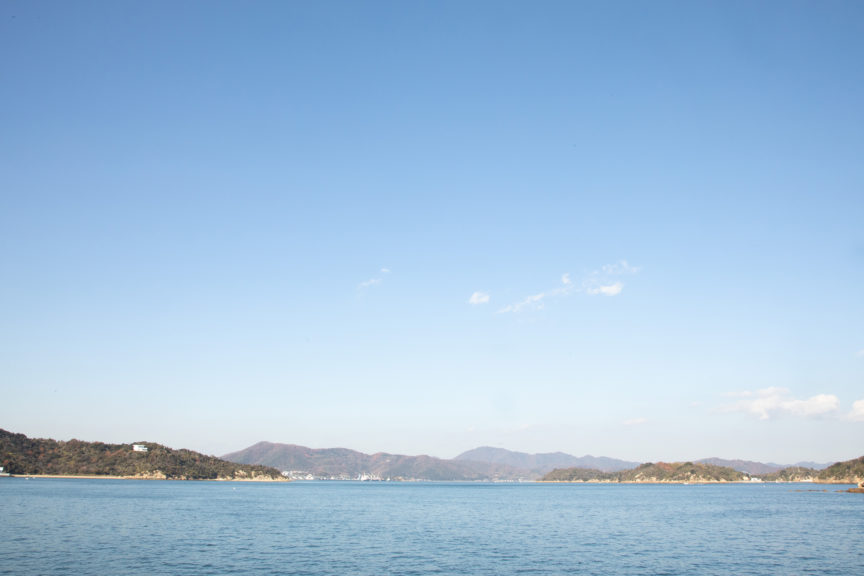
23, 456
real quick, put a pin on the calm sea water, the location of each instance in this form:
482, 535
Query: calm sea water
107, 527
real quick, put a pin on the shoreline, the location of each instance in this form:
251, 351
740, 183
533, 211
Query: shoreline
692, 483
854, 489
155, 478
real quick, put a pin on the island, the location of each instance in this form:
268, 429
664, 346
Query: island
847, 472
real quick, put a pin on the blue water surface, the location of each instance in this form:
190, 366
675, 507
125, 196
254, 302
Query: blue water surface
104, 527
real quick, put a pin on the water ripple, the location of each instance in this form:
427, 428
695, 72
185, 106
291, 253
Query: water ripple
53, 527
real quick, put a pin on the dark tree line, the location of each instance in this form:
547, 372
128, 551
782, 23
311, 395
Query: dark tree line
22, 455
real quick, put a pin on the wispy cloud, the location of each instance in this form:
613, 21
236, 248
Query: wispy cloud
602, 282
597, 282
375, 280
479, 298
536, 301
635, 421
619, 268
771, 402
860, 353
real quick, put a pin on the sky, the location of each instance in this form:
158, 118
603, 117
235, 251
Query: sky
628, 229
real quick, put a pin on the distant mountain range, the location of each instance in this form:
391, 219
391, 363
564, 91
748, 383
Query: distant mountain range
344, 464
479, 464
484, 463
757, 468
542, 463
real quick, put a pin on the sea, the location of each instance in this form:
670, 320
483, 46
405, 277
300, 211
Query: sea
117, 527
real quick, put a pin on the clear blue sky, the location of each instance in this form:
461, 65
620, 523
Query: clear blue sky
627, 229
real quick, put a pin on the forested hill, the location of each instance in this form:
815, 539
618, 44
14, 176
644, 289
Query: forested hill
22, 455
848, 472
650, 473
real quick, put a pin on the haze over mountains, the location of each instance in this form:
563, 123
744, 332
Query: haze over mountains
751, 467
543, 463
341, 463
484, 463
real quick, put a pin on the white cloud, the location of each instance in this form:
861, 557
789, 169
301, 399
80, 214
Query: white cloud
479, 298
860, 353
857, 413
385, 270
769, 402
635, 421
607, 290
565, 279
813, 406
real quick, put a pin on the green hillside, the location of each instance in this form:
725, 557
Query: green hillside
848, 472
682, 472
792, 474
651, 472
579, 475
22, 455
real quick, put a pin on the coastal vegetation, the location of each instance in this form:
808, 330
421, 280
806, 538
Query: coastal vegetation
652, 472
792, 474
37, 456
579, 475
846, 472
850, 471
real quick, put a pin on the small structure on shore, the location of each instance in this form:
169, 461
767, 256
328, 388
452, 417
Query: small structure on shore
139, 448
